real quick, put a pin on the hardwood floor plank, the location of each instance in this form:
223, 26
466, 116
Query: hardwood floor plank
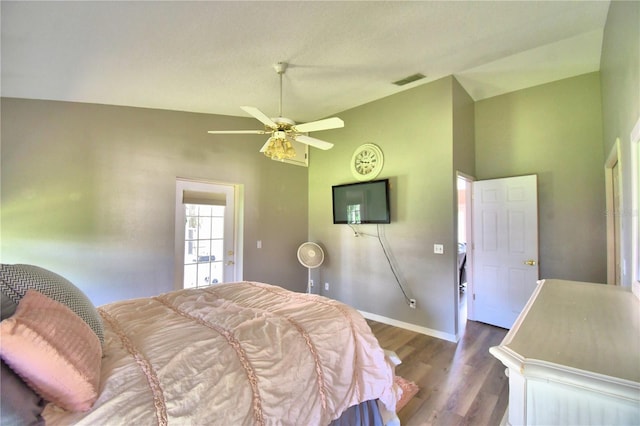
497, 379
501, 406
444, 418
481, 410
460, 383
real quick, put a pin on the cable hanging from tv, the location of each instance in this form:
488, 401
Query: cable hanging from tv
356, 233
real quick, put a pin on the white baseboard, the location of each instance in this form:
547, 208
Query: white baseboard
409, 326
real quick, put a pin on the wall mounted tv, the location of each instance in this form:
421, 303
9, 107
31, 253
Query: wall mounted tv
361, 202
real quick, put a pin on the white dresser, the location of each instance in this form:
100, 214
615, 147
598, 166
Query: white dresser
573, 357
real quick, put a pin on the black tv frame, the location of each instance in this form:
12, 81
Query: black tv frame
387, 201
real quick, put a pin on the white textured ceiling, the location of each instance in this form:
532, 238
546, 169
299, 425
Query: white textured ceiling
214, 56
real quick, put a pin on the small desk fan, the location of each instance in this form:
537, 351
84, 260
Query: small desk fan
310, 256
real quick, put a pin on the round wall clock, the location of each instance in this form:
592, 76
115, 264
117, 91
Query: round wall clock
367, 161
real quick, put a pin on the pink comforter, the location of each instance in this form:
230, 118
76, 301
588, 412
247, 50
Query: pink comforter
234, 354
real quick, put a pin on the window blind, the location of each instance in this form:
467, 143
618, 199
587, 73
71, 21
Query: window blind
207, 198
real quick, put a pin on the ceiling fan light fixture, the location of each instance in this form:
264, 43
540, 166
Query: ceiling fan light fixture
279, 147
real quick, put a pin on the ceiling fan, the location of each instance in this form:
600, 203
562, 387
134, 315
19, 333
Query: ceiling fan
283, 130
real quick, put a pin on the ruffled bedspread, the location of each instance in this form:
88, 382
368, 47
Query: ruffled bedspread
234, 354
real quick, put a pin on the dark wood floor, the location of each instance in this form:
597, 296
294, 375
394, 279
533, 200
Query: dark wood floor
460, 383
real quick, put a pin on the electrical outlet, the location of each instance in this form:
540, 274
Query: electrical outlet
326, 286
412, 303
438, 249
310, 283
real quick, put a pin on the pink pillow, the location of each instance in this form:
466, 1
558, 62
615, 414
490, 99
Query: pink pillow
53, 350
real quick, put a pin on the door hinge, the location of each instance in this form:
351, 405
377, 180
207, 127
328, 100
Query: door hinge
474, 296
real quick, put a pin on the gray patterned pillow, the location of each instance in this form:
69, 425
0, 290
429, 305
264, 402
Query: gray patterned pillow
15, 280
7, 306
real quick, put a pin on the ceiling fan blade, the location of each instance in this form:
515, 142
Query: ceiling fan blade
256, 113
317, 143
237, 132
326, 124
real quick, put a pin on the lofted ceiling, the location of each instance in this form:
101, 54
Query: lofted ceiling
214, 56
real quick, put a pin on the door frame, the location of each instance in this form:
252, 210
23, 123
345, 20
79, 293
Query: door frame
237, 227
469, 261
611, 209
634, 139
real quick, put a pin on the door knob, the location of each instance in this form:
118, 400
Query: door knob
530, 262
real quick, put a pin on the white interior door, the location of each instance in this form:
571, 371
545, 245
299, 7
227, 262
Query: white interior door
505, 248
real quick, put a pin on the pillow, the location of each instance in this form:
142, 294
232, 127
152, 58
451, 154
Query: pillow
15, 280
53, 350
19, 404
7, 307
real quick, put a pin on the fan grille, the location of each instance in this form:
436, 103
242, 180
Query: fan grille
310, 255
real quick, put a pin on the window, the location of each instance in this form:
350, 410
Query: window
353, 213
203, 245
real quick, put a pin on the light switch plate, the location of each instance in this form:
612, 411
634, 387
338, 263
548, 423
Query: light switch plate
438, 248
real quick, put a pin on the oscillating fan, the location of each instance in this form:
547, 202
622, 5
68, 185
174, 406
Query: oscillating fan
310, 256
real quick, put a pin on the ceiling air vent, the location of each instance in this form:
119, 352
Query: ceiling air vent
410, 79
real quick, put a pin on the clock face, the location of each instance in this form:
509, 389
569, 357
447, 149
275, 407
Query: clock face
366, 162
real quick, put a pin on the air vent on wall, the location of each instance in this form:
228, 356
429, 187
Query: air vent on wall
410, 79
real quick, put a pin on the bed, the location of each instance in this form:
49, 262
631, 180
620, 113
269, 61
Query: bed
243, 353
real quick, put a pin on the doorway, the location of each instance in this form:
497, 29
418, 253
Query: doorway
612, 188
205, 234
464, 191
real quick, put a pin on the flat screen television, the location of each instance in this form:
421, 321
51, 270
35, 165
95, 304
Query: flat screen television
361, 202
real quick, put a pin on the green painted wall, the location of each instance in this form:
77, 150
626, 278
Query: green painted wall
88, 191
554, 131
620, 80
414, 129
464, 148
